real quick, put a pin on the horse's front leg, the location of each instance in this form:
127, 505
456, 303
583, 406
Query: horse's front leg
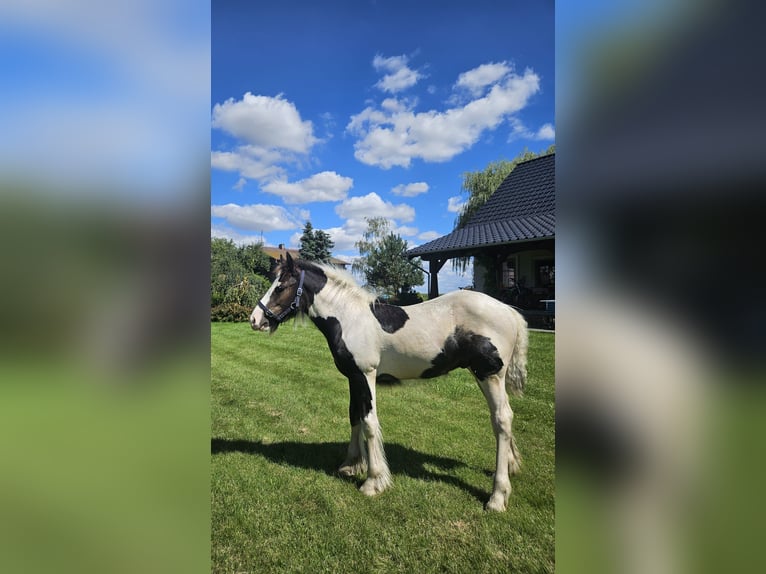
378, 473
365, 452
356, 462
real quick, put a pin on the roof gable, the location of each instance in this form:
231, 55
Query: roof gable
522, 208
530, 189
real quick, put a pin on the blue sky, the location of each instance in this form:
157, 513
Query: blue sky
338, 111
106, 100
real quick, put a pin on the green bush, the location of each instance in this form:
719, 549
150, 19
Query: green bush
230, 313
237, 274
247, 291
407, 298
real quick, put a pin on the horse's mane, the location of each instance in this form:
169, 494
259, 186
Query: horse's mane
341, 284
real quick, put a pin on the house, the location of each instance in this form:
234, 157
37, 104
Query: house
275, 253
511, 238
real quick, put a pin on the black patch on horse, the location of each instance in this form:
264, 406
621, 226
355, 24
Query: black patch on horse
361, 398
386, 379
289, 275
319, 281
313, 282
390, 317
468, 350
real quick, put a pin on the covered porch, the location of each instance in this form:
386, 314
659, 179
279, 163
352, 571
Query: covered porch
519, 273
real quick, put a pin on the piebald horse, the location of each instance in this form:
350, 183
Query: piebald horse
372, 341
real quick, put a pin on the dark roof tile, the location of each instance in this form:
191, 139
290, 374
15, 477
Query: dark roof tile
523, 207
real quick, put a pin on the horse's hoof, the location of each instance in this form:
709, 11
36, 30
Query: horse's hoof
496, 503
374, 486
350, 469
369, 488
347, 470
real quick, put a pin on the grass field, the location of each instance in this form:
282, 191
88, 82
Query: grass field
280, 429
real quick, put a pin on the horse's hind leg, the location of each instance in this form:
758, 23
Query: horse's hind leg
507, 461
356, 462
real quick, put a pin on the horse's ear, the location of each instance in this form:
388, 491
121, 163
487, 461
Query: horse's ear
290, 263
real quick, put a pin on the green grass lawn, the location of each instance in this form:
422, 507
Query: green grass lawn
280, 429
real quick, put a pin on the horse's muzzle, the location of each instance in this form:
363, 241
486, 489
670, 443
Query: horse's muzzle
259, 323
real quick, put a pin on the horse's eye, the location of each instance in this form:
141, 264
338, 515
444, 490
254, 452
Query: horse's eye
279, 289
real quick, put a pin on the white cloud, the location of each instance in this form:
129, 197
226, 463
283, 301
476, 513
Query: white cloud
410, 189
250, 162
274, 134
546, 132
390, 64
329, 120
394, 135
345, 239
485, 75
454, 204
405, 230
398, 81
352, 230
303, 214
271, 123
295, 239
371, 205
429, 235
256, 217
355, 210
399, 77
520, 131
324, 186
228, 233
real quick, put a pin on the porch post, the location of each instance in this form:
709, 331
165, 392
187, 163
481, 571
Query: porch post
433, 266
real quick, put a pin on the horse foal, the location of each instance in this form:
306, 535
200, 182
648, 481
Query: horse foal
370, 341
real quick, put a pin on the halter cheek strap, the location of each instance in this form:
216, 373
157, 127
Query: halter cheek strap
293, 306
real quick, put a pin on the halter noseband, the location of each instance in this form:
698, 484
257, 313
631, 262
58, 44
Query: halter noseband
293, 306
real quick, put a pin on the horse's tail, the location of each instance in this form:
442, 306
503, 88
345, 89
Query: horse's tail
516, 375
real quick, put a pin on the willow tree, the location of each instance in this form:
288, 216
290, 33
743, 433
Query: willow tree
480, 185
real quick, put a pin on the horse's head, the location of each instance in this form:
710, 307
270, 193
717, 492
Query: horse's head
283, 299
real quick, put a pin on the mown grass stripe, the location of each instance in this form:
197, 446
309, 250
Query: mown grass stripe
279, 428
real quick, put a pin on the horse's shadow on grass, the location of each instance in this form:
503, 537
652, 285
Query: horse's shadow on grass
327, 456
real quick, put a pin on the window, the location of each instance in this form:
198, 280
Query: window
509, 272
545, 273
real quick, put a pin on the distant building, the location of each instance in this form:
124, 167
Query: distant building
275, 253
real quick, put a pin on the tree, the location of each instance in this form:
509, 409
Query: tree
480, 185
225, 268
254, 260
382, 261
308, 247
324, 245
316, 245
237, 277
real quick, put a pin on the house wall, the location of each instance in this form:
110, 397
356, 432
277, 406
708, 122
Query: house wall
527, 261
526, 271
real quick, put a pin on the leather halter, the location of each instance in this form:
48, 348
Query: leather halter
293, 306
